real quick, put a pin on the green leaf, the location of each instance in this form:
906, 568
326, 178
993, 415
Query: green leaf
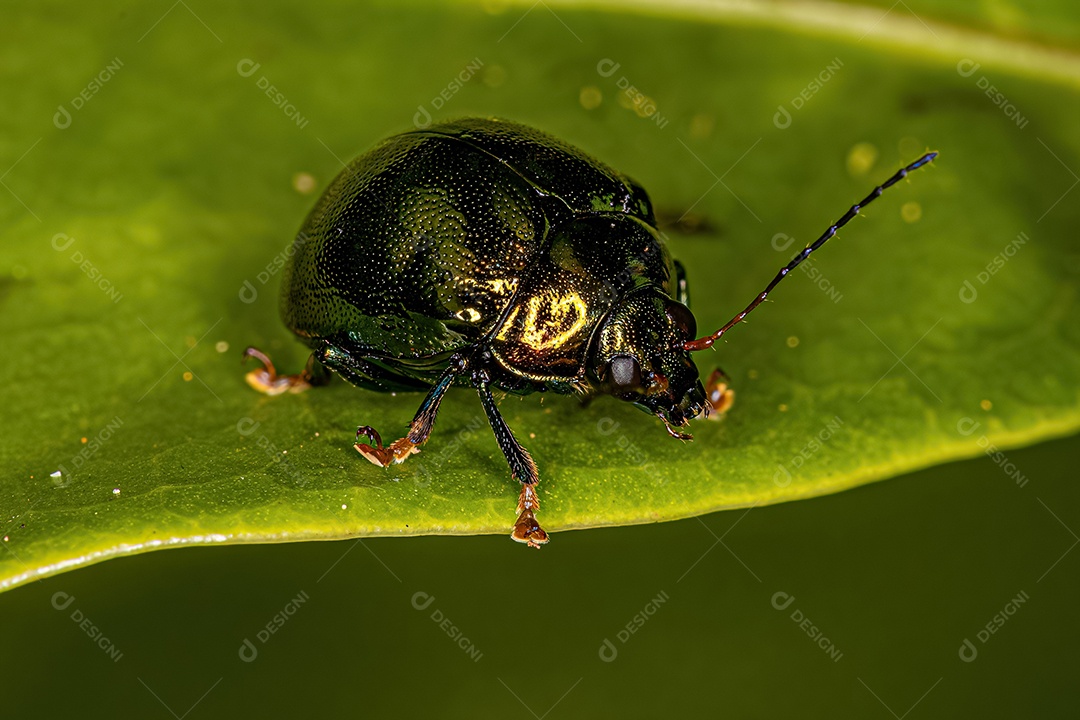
161, 193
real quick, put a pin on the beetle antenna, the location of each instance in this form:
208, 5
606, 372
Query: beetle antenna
707, 341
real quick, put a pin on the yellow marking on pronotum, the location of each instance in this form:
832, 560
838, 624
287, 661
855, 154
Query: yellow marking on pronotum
566, 317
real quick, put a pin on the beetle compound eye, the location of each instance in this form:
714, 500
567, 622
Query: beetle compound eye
683, 318
625, 373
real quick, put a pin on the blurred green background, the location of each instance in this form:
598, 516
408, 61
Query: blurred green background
896, 575
893, 577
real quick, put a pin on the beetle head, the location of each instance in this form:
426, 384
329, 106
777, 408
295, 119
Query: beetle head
638, 355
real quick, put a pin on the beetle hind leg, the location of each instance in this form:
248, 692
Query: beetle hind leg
419, 428
393, 453
267, 380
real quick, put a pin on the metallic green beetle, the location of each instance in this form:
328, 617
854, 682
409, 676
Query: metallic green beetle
485, 253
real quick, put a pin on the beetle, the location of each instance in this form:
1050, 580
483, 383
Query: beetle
487, 254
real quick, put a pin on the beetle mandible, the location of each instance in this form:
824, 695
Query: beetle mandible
484, 253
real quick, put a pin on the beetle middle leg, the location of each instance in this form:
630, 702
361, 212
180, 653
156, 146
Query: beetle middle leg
526, 530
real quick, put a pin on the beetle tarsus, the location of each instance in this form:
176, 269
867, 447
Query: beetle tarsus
419, 429
672, 431
719, 396
377, 454
266, 379
527, 530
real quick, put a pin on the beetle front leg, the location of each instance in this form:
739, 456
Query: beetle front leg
526, 530
419, 428
266, 379
719, 396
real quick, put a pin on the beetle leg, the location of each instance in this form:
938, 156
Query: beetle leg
718, 395
394, 453
419, 429
266, 379
526, 530
672, 431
